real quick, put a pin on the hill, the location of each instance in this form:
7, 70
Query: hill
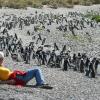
67, 85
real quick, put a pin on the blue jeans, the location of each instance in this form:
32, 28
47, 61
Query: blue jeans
32, 73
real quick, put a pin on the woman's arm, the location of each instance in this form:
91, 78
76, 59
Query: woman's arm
12, 82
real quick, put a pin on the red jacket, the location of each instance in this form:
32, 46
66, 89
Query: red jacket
17, 81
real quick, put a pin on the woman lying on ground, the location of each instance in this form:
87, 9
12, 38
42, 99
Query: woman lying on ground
19, 77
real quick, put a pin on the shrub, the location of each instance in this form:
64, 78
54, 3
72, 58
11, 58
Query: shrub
97, 18
69, 1
96, 1
54, 6
29, 3
76, 2
45, 2
36, 5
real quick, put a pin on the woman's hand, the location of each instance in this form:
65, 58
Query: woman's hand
11, 82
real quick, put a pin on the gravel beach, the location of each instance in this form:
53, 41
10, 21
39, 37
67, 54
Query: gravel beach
67, 85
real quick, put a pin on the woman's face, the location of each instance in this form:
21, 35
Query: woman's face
1, 61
